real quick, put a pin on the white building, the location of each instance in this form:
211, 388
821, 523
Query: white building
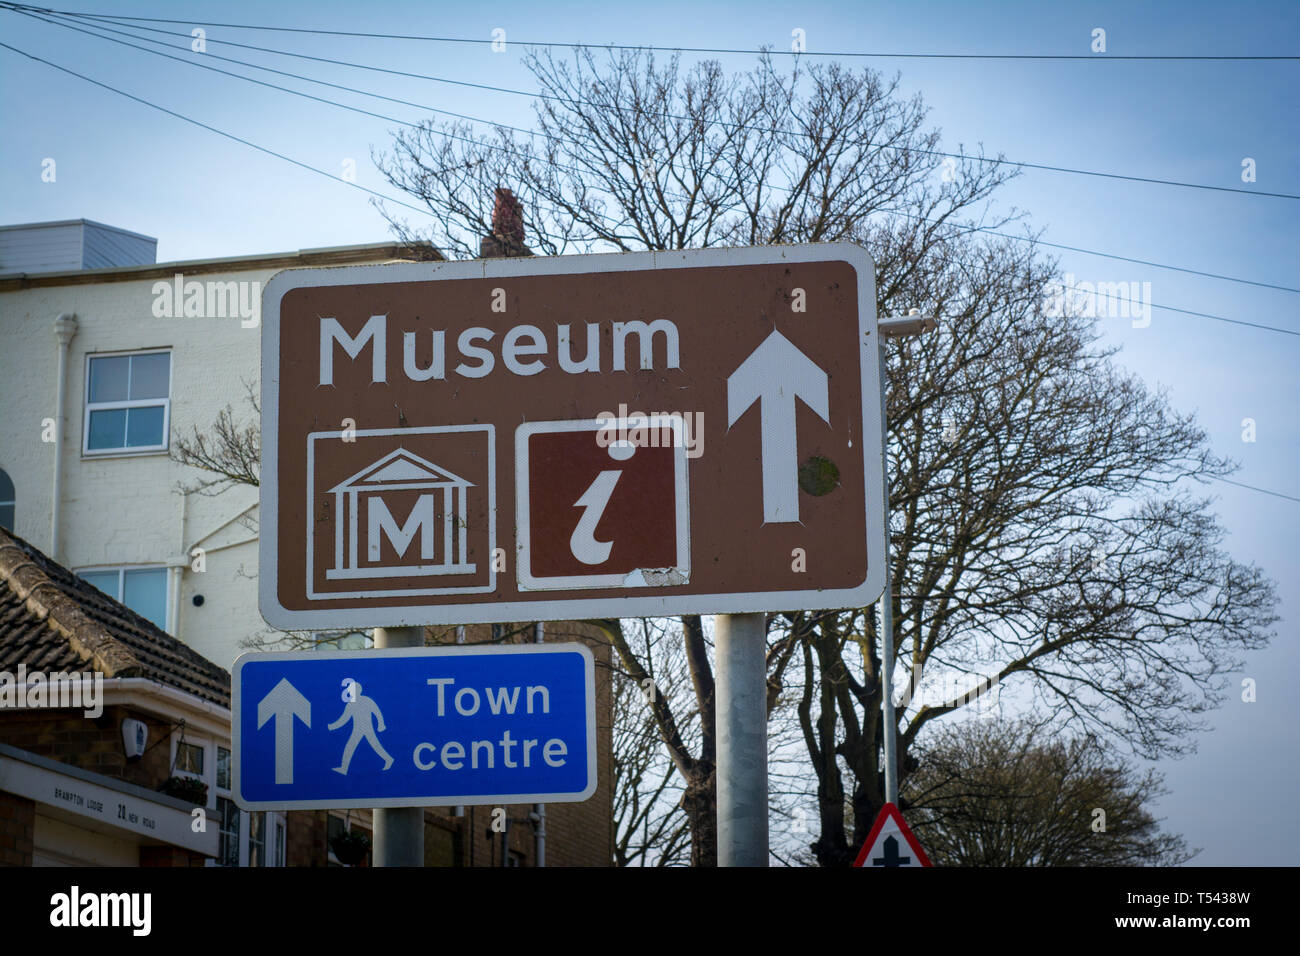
101, 371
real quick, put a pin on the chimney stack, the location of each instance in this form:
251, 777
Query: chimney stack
507, 237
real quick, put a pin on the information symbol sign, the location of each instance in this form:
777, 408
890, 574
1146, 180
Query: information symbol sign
602, 503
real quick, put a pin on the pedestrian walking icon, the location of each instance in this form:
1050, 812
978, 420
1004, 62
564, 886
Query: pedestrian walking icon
361, 711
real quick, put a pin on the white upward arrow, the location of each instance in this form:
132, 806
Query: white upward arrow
284, 703
775, 373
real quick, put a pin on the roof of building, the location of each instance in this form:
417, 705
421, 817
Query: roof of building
26, 226
51, 620
329, 256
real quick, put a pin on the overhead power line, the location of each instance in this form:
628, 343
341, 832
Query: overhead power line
1104, 255
320, 99
212, 129
1170, 308
1022, 164
372, 192
1263, 491
249, 143
1206, 315
1094, 57
534, 133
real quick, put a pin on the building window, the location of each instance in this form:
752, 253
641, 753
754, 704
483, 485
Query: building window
223, 768
228, 839
6, 501
279, 842
257, 839
128, 403
143, 590
189, 758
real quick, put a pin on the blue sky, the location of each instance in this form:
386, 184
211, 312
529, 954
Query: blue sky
201, 195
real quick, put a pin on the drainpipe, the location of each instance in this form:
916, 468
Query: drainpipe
175, 572
65, 327
539, 809
174, 599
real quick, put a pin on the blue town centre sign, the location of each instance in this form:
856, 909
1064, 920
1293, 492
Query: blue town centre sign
406, 727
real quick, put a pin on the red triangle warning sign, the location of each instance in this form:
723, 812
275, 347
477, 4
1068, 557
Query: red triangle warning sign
891, 843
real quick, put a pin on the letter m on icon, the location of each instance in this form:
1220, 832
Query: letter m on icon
381, 521
399, 497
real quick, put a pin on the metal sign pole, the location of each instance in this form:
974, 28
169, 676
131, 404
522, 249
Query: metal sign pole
891, 328
399, 831
741, 646
887, 614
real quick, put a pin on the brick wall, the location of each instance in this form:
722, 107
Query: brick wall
305, 834
169, 856
577, 834
95, 745
17, 829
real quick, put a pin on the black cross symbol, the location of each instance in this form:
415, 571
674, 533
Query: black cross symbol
891, 857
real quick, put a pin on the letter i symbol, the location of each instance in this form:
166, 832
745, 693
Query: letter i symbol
594, 501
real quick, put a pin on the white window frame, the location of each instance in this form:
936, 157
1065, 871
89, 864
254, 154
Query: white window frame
202, 744
242, 850
245, 817
270, 851
88, 406
214, 792
216, 764
267, 837
279, 839
121, 570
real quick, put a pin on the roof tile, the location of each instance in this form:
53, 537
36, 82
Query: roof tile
53, 620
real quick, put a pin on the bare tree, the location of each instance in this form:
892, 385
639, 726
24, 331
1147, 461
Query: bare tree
1044, 536
1044, 531
632, 155
650, 829
227, 454
1010, 794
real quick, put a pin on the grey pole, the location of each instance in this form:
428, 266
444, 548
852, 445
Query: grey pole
887, 688
887, 614
912, 324
741, 704
399, 831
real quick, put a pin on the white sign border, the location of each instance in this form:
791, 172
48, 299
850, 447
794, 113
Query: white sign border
370, 654
641, 604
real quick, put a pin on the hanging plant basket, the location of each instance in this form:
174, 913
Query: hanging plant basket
350, 846
186, 788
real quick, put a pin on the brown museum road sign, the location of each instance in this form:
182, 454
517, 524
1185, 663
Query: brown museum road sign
574, 437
